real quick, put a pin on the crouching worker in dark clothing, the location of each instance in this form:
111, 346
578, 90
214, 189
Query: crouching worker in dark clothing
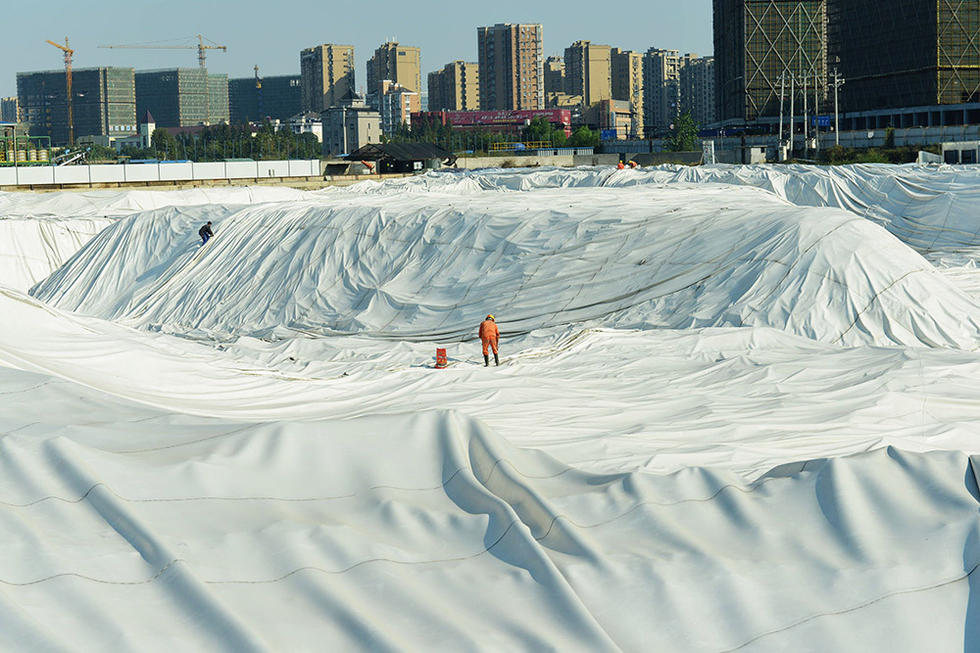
205, 233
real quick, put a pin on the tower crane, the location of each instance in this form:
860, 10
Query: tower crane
201, 48
68, 55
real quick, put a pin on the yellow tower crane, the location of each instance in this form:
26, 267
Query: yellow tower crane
68, 55
201, 48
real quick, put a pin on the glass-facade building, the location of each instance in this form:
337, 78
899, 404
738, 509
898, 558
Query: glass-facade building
905, 53
103, 102
759, 46
279, 98
895, 54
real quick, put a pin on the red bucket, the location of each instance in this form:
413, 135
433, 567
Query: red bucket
441, 360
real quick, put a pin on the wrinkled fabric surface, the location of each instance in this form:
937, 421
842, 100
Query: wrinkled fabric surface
738, 409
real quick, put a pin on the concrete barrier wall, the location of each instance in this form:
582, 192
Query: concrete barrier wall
596, 159
241, 170
530, 161
176, 172
156, 172
299, 168
273, 168
144, 172
8, 177
214, 170
107, 174
471, 163
43, 175
71, 175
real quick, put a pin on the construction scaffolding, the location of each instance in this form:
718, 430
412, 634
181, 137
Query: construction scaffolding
757, 43
104, 103
906, 53
182, 97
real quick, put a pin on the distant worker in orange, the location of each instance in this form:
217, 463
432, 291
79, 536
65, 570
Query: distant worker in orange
489, 336
620, 165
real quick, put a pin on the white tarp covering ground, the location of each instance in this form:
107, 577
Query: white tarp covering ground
727, 418
40, 231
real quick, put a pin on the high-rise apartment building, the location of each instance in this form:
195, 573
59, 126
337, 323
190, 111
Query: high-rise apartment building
455, 88
905, 53
182, 97
588, 72
397, 63
554, 76
511, 73
9, 110
697, 84
278, 97
759, 41
348, 125
103, 102
661, 90
396, 104
627, 84
327, 73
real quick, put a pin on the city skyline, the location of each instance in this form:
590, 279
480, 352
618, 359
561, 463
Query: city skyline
244, 24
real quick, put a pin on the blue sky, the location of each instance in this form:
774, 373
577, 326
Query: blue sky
271, 34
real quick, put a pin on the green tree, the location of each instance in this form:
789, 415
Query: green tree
538, 130
889, 137
164, 144
100, 153
583, 137
684, 136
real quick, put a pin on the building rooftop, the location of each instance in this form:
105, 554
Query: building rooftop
399, 152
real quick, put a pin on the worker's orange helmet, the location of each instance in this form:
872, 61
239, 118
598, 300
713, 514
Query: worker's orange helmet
490, 316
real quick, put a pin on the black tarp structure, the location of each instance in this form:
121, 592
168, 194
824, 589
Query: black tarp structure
401, 157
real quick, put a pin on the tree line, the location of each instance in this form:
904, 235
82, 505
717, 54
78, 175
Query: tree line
454, 139
218, 143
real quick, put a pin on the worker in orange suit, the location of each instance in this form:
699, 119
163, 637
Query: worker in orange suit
489, 336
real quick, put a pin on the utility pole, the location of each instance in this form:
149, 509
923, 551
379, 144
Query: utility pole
782, 94
792, 113
838, 82
806, 128
816, 111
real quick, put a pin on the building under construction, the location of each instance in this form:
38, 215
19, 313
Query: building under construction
905, 53
182, 97
762, 44
278, 98
103, 102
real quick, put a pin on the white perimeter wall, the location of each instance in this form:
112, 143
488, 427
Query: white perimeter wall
115, 173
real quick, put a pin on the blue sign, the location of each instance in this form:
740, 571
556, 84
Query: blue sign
821, 121
608, 134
